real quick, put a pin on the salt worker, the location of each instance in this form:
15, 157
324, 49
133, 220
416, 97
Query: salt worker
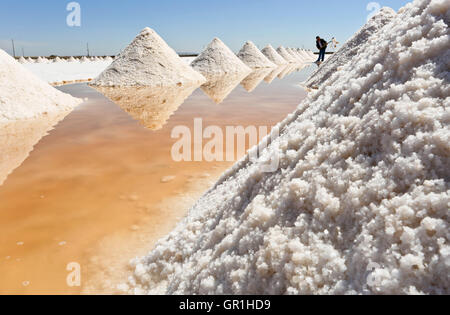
322, 46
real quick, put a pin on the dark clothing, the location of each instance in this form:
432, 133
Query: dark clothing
322, 46
322, 55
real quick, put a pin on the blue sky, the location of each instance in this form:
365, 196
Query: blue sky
39, 27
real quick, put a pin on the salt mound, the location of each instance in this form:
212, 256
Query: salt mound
217, 60
41, 60
360, 201
286, 55
22, 60
57, 59
351, 47
295, 54
30, 60
109, 59
148, 61
253, 57
273, 56
306, 57
72, 59
219, 87
24, 96
84, 59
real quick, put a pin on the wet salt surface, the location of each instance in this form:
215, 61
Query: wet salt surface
100, 175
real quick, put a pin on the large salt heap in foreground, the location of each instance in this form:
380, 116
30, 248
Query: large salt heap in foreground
148, 61
351, 47
25, 96
253, 57
273, 56
360, 201
217, 60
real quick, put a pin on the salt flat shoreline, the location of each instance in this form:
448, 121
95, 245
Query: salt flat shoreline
64, 73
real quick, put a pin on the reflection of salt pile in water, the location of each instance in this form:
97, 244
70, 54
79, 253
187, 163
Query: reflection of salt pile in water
287, 70
351, 47
151, 106
359, 203
251, 82
275, 72
253, 57
273, 56
148, 61
217, 59
24, 96
286, 55
17, 139
219, 87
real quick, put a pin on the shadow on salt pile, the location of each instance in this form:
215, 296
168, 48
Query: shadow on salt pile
251, 82
219, 87
151, 106
18, 139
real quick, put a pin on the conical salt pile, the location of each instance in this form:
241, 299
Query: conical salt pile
295, 54
72, 59
273, 56
217, 60
84, 59
25, 96
30, 60
303, 55
22, 60
41, 60
351, 47
253, 57
357, 201
56, 60
148, 61
287, 56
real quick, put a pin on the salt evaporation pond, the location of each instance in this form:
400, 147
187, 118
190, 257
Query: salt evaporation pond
101, 188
